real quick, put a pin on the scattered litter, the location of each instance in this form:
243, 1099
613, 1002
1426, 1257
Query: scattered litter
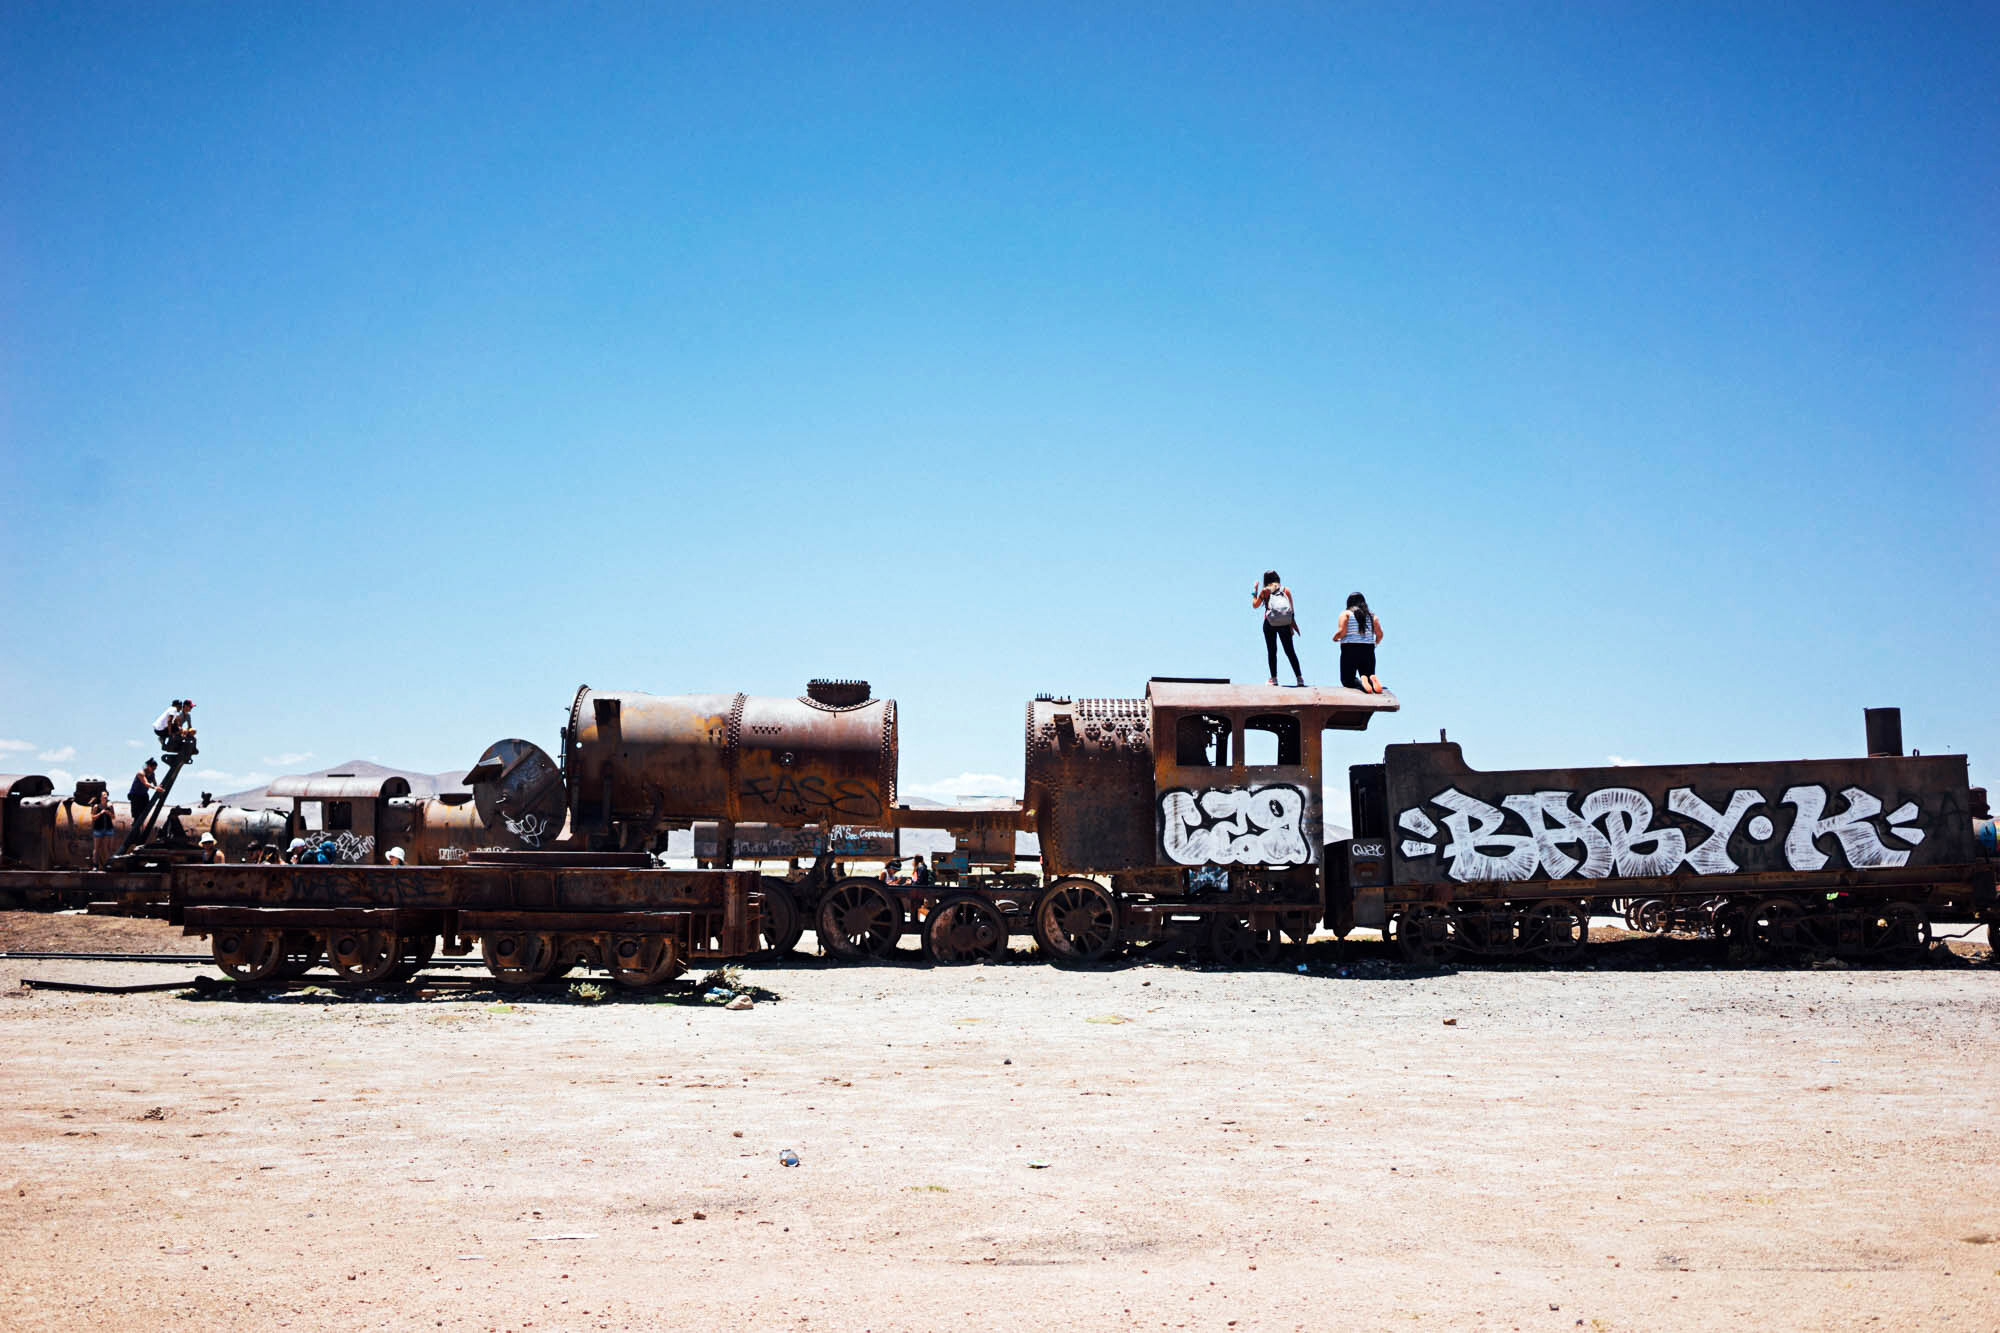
717, 993
1038, 1166
1303, 969
1451, 1022
699, 1216
156, 1113
1007, 1061
736, 1134
501, 1008
1108, 1018
740, 1002
568, 1235
466, 1258
788, 1157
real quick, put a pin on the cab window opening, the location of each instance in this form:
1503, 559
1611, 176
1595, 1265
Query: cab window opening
1272, 741
1201, 740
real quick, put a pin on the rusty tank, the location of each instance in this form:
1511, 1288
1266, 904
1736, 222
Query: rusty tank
236, 830
637, 765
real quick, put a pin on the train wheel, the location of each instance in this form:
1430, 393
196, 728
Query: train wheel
1426, 934
365, 957
1779, 926
640, 961
1901, 930
965, 928
302, 953
1076, 921
1650, 916
519, 957
1559, 931
249, 954
1732, 929
779, 921
1234, 942
858, 919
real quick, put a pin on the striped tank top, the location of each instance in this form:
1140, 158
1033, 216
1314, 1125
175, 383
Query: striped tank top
1354, 633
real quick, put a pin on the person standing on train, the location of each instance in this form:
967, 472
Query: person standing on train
102, 829
141, 792
1281, 622
1357, 633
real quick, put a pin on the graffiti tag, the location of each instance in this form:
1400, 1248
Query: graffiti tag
347, 848
1611, 831
528, 828
1261, 826
850, 796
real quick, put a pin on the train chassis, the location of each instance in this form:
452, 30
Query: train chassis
1075, 920
1789, 926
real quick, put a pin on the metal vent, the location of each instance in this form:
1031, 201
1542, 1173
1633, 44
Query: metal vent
837, 693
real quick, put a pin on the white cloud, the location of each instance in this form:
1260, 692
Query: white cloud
57, 756
230, 781
135, 745
64, 780
11, 746
287, 759
965, 784
1620, 761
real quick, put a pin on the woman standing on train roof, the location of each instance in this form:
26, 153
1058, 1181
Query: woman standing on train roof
1281, 622
1357, 633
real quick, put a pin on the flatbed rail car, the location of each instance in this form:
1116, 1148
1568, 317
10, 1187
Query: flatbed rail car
1852, 857
533, 917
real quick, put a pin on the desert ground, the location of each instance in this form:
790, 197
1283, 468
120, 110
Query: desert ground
1004, 1147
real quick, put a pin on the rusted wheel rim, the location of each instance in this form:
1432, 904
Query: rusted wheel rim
302, 953
1779, 924
1077, 921
519, 958
778, 919
642, 960
1237, 943
1903, 929
1425, 934
249, 954
966, 930
1650, 916
362, 957
859, 919
1558, 930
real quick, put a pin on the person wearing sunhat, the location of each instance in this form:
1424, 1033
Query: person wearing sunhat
211, 850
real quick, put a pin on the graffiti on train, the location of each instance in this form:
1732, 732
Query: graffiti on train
814, 795
528, 828
1240, 826
1613, 831
344, 848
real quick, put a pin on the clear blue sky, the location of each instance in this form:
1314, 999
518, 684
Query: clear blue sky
378, 375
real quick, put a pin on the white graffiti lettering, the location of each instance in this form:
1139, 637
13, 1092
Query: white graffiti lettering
347, 849
1612, 831
528, 828
1711, 856
1864, 847
1263, 826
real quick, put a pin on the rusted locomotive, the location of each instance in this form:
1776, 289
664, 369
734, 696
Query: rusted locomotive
1850, 857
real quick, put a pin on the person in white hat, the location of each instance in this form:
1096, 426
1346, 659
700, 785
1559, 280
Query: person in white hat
395, 856
211, 850
294, 851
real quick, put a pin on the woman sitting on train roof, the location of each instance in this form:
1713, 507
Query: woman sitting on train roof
1357, 633
1281, 622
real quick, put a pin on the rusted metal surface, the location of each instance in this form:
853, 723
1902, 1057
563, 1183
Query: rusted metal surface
236, 830
983, 834
776, 842
637, 764
340, 787
518, 789
1089, 783
378, 924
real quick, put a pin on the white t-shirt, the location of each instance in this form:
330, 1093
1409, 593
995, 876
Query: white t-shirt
165, 720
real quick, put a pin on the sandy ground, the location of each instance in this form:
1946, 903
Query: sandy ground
1011, 1146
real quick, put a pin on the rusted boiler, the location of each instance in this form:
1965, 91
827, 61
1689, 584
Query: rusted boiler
638, 765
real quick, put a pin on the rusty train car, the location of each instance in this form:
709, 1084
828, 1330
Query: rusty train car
1189, 820
1850, 857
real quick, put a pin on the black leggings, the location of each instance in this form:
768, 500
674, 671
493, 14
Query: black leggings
1356, 660
1272, 634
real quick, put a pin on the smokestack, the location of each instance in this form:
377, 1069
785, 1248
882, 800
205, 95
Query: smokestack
1885, 732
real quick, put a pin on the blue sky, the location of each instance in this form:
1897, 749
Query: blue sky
378, 375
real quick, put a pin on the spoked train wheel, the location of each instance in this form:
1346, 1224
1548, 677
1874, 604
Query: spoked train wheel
965, 928
1076, 922
1234, 942
519, 957
859, 919
779, 922
375, 955
641, 961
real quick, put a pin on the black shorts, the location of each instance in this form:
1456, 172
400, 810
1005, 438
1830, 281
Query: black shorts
1356, 660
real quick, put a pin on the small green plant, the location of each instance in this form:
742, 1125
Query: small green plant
588, 992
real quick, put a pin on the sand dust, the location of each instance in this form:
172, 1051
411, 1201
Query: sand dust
1005, 1147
